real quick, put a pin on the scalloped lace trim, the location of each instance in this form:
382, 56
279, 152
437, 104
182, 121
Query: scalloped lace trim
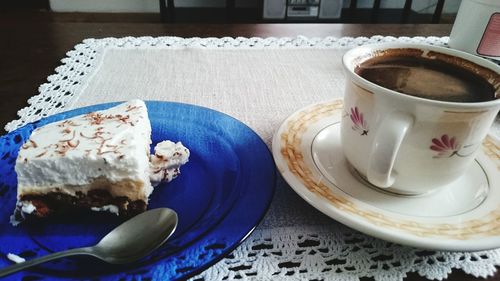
336, 252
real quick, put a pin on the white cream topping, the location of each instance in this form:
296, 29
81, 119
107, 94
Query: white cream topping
15, 258
107, 208
166, 162
22, 208
112, 143
27, 207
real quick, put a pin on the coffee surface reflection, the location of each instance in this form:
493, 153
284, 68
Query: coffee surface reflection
426, 78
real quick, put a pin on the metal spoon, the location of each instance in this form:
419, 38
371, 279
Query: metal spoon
128, 242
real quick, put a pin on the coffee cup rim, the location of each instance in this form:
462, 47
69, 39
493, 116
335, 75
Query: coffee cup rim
348, 61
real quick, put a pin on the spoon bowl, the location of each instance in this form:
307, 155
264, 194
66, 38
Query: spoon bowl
137, 237
129, 242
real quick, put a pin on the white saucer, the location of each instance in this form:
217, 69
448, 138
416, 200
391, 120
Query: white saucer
462, 216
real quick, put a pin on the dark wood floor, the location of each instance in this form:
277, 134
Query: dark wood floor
254, 15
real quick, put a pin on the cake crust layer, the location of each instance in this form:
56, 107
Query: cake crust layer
55, 203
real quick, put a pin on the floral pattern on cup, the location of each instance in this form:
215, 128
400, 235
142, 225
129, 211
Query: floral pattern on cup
447, 147
359, 123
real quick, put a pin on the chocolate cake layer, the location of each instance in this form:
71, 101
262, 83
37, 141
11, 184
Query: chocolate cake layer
54, 203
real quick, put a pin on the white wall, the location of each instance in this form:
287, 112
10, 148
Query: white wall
152, 6
109, 6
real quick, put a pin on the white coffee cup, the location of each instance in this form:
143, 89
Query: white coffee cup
407, 144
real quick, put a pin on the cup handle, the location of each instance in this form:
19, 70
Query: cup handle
385, 148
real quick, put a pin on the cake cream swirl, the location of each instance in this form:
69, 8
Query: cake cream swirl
113, 144
166, 161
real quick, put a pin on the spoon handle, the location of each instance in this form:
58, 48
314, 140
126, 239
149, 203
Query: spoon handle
20, 266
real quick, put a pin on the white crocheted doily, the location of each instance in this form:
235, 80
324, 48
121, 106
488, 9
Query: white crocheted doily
275, 251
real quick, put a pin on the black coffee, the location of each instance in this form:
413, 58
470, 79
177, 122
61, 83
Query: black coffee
426, 78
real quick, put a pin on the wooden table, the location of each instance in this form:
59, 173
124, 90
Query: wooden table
33, 44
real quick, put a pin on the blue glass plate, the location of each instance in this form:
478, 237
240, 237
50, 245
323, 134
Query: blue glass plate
222, 194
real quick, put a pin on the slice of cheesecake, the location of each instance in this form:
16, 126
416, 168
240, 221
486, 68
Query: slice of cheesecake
97, 161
